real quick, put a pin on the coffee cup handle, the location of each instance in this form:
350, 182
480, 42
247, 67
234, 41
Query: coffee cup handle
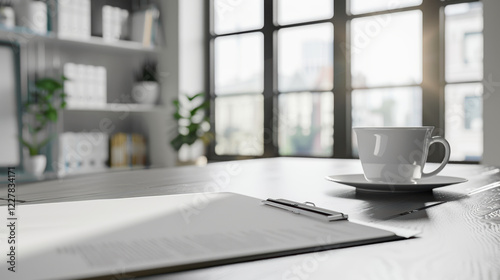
439, 139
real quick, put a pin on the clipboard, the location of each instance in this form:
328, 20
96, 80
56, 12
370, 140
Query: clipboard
132, 237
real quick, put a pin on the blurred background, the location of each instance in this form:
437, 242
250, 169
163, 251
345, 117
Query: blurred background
149, 84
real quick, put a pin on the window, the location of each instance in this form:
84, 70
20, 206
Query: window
238, 77
386, 69
292, 77
463, 75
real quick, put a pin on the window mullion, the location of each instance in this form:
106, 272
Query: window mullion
432, 92
209, 74
270, 108
341, 97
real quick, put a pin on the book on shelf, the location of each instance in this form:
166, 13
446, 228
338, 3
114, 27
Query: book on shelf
127, 150
144, 26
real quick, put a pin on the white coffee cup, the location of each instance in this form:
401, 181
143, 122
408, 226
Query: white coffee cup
397, 154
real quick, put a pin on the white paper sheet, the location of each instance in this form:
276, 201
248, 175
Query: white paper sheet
144, 235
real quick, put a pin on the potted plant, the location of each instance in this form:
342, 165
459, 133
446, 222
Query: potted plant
146, 89
41, 109
193, 128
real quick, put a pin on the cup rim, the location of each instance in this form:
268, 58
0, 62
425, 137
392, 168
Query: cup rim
393, 127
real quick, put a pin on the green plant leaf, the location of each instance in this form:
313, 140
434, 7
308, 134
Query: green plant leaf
191, 138
47, 97
178, 116
38, 128
193, 128
177, 142
48, 84
44, 142
63, 104
39, 117
51, 114
176, 104
195, 96
30, 129
32, 149
203, 105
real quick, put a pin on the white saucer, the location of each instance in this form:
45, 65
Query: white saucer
359, 181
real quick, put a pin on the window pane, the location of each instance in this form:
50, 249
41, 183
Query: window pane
305, 125
294, 11
233, 16
239, 125
367, 6
387, 50
464, 42
305, 58
464, 121
239, 64
386, 107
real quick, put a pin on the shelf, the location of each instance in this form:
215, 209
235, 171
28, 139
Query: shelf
24, 35
99, 42
120, 107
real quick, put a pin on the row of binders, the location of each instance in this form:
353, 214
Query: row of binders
86, 85
89, 152
82, 152
79, 19
71, 18
127, 150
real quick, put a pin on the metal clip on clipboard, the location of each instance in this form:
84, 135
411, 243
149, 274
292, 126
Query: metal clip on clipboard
306, 209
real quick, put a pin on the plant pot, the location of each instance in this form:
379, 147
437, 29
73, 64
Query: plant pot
35, 165
146, 92
192, 155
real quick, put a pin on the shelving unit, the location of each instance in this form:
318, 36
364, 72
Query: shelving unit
22, 34
121, 107
45, 55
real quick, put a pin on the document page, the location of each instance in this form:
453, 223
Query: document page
149, 235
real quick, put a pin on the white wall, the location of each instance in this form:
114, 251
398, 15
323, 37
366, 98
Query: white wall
491, 108
191, 46
181, 68
159, 128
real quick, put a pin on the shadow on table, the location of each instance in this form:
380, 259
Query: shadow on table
386, 206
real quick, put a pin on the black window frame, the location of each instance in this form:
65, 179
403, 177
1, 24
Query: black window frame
432, 85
